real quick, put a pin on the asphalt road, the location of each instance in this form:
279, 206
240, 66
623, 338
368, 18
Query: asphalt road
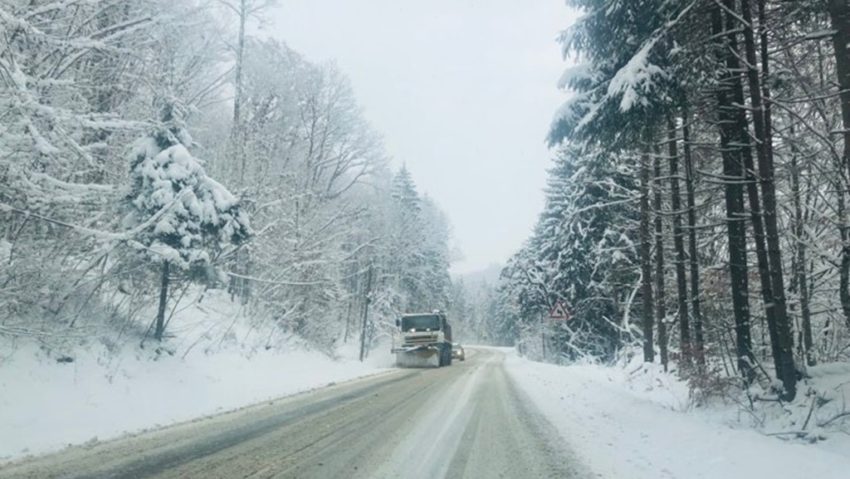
463, 421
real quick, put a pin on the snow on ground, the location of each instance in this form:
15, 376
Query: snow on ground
639, 423
46, 405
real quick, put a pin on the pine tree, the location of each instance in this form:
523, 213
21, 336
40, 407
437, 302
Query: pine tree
407, 238
584, 249
181, 217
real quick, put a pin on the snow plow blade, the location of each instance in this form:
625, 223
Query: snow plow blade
422, 357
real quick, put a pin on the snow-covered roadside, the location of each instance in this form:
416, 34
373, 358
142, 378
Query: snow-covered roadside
648, 433
104, 393
45, 405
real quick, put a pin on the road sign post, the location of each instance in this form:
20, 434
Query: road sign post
558, 312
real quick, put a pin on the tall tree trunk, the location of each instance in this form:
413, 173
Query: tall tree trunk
236, 148
696, 310
768, 175
347, 320
237, 137
367, 294
163, 301
646, 260
679, 246
776, 311
743, 147
660, 306
734, 174
844, 235
800, 275
839, 15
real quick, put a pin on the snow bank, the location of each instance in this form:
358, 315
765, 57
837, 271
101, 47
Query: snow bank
46, 404
638, 423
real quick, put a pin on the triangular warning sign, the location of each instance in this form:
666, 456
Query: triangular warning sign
559, 312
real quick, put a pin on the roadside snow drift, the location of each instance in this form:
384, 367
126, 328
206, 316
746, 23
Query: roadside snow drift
645, 430
100, 394
45, 405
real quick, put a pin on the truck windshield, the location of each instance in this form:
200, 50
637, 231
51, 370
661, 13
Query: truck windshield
421, 322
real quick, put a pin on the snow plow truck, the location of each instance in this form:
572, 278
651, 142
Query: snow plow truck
425, 340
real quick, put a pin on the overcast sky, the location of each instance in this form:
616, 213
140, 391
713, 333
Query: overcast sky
462, 91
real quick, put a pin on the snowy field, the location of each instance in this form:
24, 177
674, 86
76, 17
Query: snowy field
214, 365
637, 422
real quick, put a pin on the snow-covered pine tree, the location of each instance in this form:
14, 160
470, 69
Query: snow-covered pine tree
406, 236
179, 216
625, 81
435, 254
584, 242
418, 234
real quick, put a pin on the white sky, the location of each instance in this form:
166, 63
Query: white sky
462, 91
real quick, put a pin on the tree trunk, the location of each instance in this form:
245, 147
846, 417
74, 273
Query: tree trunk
734, 173
163, 301
237, 137
743, 147
800, 275
839, 15
844, 234
660, 300
679, 246
776, 311
696, 310
347, 321
646, 260
367, 299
